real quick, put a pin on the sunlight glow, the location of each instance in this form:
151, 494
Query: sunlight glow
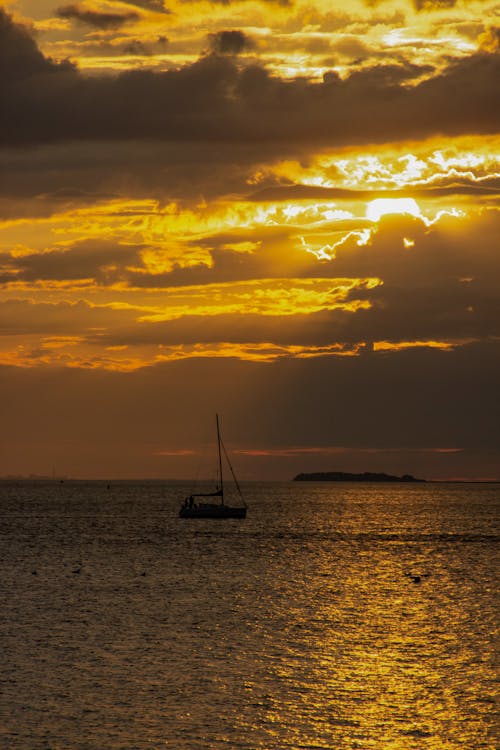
474, 160
386, 206
327, 251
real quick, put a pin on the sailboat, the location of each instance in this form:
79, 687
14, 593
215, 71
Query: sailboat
193, 508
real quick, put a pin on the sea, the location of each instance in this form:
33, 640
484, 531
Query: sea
336, 616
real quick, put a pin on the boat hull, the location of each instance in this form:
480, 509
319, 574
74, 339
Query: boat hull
209, 510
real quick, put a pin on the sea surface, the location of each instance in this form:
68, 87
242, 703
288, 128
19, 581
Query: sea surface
124, 627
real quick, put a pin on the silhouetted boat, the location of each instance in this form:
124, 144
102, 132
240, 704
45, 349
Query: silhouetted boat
192, 508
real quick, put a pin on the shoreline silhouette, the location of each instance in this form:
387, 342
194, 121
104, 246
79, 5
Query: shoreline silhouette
341, 476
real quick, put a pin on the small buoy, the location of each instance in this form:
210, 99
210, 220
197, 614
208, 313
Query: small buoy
416, 578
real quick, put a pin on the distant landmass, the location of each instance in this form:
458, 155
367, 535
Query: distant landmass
342, 476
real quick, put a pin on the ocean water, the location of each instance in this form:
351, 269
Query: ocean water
125, 627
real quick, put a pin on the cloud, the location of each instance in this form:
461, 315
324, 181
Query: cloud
284, 3
352, 46
216, 100
433, 4
442, 288
230, 42
143, 169
157, 217
68, 196
421, 5
98, 19
489, 41
20, 58
446, 186
158, 6
24, 317
137, 48
101, 261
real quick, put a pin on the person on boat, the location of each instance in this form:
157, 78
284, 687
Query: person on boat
191, 501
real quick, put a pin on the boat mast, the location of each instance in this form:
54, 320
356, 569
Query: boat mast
220, 462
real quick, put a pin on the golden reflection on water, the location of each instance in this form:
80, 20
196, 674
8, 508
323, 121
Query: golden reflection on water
305, 628
383, 646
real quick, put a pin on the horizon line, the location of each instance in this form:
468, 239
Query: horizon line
65, 478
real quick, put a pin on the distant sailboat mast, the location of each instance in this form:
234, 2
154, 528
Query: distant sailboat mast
221, 481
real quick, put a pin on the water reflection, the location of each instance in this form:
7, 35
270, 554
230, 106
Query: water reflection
299, 629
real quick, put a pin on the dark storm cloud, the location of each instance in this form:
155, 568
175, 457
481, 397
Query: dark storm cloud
216, 100
230, 42
98, 19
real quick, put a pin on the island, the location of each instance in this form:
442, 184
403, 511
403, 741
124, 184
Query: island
342, 476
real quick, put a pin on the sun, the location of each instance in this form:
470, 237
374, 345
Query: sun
382, 206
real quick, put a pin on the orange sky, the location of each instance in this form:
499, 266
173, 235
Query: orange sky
283, 211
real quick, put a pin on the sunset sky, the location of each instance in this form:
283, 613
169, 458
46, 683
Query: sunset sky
283, 211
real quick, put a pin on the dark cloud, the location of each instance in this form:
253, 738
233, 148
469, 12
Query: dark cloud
352, 46
427, 5
216, 100
20, 58
137, 48
443, 288
156, 5
444, 186
433, 4
198, 132
23, 316
440, 289
175, 170
71, 196
98, 19
284, 3
98, 260
230, 42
